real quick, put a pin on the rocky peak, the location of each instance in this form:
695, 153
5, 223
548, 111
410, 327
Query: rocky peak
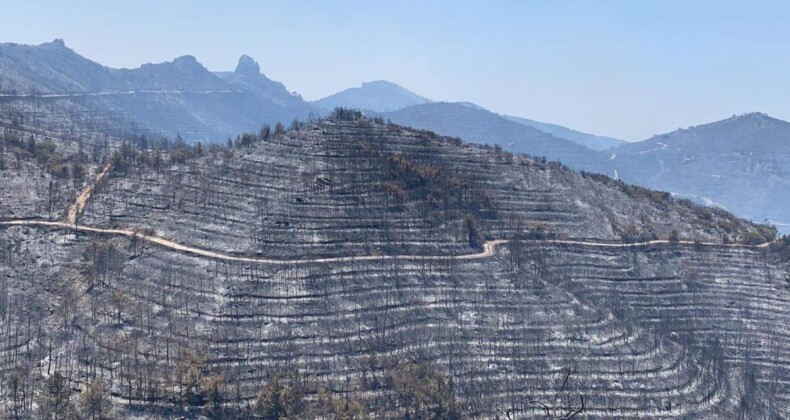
56, 44
186, 60
247, 66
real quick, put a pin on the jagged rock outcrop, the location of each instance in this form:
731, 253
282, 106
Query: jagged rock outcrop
247, 66
248, 78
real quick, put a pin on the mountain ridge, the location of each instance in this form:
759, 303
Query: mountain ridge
477, 125
178, 97
591, 141
740, 162
368, 98
376, 96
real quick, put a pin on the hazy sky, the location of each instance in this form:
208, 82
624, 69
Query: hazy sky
627, 69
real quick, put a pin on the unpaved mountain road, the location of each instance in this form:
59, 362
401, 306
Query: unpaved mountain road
488, 247
83, 197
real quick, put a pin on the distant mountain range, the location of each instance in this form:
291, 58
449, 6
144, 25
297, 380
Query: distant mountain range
478, 125
585, 139
178, 97
53, 68
378, 96
183, 97
740, 163
383, 96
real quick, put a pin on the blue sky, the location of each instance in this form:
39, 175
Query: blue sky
628, 69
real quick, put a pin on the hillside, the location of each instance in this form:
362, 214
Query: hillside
737, 164
475, 124
740, 164
385, 270
378, 96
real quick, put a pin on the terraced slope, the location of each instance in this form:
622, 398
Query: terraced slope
637, 331
504, 334
361, 188
730, 304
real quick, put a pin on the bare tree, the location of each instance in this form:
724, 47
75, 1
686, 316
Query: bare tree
563, 405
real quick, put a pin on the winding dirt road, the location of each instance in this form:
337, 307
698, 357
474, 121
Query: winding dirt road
488, 248
83, 197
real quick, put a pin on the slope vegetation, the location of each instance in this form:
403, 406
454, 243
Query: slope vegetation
562, 317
